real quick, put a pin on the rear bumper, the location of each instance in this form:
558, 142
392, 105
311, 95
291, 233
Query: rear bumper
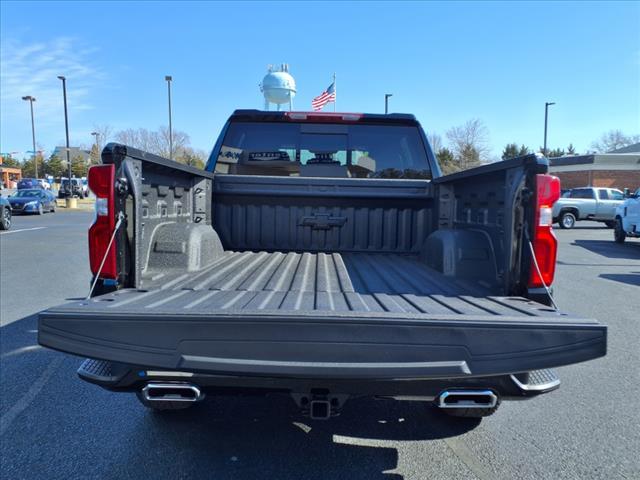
129, 378
326, 347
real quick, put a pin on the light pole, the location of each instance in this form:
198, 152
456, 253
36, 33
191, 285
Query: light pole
168, 78
96, 134
32, 99
546, 115
66, 128
386, 102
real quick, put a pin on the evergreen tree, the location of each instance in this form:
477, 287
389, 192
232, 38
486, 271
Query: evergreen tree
556, 152
55, 167
571, 150
510, 151
28, 168
9, 161
79, 167
95, 155
469, 157
447, 161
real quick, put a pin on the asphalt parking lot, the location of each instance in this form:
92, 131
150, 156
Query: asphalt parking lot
53, 425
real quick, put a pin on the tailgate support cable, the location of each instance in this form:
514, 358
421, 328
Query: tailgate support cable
106, 252
535, 263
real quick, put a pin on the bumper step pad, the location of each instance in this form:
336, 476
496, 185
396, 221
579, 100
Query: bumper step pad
102, 372
537, 380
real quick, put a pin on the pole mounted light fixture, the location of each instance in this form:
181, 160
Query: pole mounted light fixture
546, 115
66, 128
169, 79
97, 134
386, 102
31, 99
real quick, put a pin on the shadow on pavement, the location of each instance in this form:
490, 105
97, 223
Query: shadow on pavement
611, 249
258, 437
630, 278
591, 226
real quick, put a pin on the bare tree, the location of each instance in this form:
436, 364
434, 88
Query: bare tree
180, 141
137, 138
470, 143
105, 135
612, 140
435, 141
154, 142
192, 157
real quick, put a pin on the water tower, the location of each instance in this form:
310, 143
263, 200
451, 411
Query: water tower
278, 87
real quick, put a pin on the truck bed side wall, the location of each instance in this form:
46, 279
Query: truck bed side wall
482, 217
168, 212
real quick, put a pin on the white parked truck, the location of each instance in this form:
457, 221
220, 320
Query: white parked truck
628, 218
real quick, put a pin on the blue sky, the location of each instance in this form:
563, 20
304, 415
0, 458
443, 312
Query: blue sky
446, 63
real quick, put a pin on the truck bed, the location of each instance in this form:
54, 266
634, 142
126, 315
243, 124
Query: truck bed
315, 282
349, 315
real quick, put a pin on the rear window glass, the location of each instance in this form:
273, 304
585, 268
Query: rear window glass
582, 193
28, 193
307, 149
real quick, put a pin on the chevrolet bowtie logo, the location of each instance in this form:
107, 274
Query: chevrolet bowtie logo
322, 221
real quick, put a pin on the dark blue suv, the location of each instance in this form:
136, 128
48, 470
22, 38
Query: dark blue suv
28, 183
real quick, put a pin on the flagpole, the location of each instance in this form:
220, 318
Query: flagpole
335, 92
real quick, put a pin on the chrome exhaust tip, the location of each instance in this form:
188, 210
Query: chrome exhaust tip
467, 399
174, 392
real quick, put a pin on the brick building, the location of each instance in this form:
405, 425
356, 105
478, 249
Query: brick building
9, 176
613, 170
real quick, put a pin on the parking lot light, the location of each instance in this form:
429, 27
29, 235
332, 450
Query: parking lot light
31, 99
546, 114
97, 135
169, 79
70, 199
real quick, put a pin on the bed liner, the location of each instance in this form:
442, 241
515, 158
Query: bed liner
319, 282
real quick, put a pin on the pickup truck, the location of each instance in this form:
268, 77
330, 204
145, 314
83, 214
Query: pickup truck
322, 256
587, 203
628, 218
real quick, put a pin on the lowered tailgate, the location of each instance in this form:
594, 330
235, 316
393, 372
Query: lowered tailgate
370, 319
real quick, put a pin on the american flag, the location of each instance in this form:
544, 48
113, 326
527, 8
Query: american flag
328, 96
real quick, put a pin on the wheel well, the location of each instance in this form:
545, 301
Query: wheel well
570, 210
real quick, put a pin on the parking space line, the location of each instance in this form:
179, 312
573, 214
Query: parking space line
21, 230
7, 419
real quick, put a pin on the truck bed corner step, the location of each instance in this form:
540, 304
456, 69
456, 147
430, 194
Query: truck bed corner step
102, 372
537, 380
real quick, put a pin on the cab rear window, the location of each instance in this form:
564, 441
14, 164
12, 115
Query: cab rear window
333, 150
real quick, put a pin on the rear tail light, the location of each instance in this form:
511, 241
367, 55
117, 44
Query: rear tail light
101, 183
545, 244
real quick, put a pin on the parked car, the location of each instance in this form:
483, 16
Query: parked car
76, 189
44, 183
628, 218
326, 258
5, 213
85, 187
29, 183
588, 203
36, 201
